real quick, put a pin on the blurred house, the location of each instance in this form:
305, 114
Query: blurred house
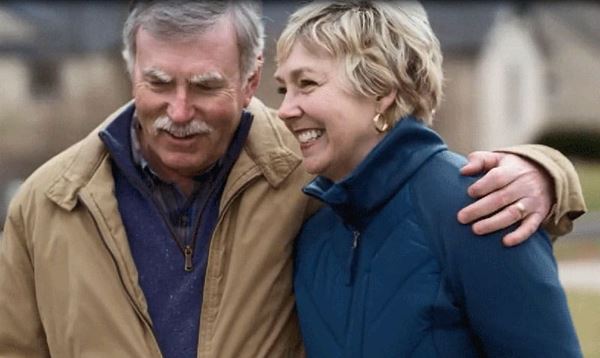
495, 79
513, 70
60, 74
569, 35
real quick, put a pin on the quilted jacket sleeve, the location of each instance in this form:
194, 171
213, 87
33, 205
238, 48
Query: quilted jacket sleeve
570, 203
21, 331
512, 298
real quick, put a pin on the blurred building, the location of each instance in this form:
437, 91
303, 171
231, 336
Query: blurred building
60, 74
495, 81
568, 33
516, 71
513, 70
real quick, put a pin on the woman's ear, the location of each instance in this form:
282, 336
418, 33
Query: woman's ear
386, 101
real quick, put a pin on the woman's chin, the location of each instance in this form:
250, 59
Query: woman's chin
313, 168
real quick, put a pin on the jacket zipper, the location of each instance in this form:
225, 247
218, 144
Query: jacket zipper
188, 251
352, 258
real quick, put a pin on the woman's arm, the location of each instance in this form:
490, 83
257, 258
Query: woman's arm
513, 298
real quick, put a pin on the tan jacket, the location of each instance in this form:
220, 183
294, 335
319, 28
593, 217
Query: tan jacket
567, 188
69, 286
68, 283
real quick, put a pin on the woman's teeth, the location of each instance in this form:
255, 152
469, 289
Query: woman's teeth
309, 135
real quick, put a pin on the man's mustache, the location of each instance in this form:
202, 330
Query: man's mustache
195, 126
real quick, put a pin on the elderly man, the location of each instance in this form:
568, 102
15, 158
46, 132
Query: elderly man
169, 231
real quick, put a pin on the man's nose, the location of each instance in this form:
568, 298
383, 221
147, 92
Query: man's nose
180, 108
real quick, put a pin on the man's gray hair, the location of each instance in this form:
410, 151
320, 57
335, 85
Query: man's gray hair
170, 19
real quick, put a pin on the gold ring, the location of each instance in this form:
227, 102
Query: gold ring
519, 205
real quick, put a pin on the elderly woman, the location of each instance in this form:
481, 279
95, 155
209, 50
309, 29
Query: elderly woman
385, 269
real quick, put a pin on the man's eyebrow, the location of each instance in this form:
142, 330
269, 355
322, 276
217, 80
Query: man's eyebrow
158, 74
207, 78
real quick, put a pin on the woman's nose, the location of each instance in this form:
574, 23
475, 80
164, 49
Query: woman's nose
289, 108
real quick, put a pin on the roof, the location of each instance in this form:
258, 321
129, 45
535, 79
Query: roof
463, 26
460, 26
97, 25
581, 17
15, 34
14, 29
69, 27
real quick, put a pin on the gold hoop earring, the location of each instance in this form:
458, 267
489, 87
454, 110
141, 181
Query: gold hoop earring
380, 124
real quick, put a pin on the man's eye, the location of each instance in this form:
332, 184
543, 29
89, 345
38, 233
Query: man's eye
306, 83
281, 90
208, 86
204, 87
158, 84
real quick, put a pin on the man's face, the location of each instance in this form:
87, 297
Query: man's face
189, 96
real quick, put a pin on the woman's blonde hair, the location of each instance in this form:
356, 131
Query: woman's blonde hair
383, 46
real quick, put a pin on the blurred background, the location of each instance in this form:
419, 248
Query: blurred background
516, 72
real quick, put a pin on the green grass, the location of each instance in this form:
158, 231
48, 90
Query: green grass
585, 311
589, 175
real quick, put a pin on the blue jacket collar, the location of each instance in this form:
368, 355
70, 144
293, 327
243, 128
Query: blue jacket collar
117, 139
380, 175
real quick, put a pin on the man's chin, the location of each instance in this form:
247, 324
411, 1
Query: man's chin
185, 166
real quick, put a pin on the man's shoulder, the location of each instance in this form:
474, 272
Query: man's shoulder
272, 147
78, 157
269, 127
60, 167
60, 178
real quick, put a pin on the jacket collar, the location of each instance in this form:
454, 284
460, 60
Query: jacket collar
89, 155
266, 147
264, 151
380, 175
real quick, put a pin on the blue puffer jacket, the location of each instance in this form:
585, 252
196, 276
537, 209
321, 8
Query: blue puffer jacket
386, 270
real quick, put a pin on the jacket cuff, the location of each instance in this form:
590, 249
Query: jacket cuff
570, 203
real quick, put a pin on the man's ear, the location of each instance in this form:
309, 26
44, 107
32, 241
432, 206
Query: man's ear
253, 81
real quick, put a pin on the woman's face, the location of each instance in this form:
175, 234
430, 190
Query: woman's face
332, 124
